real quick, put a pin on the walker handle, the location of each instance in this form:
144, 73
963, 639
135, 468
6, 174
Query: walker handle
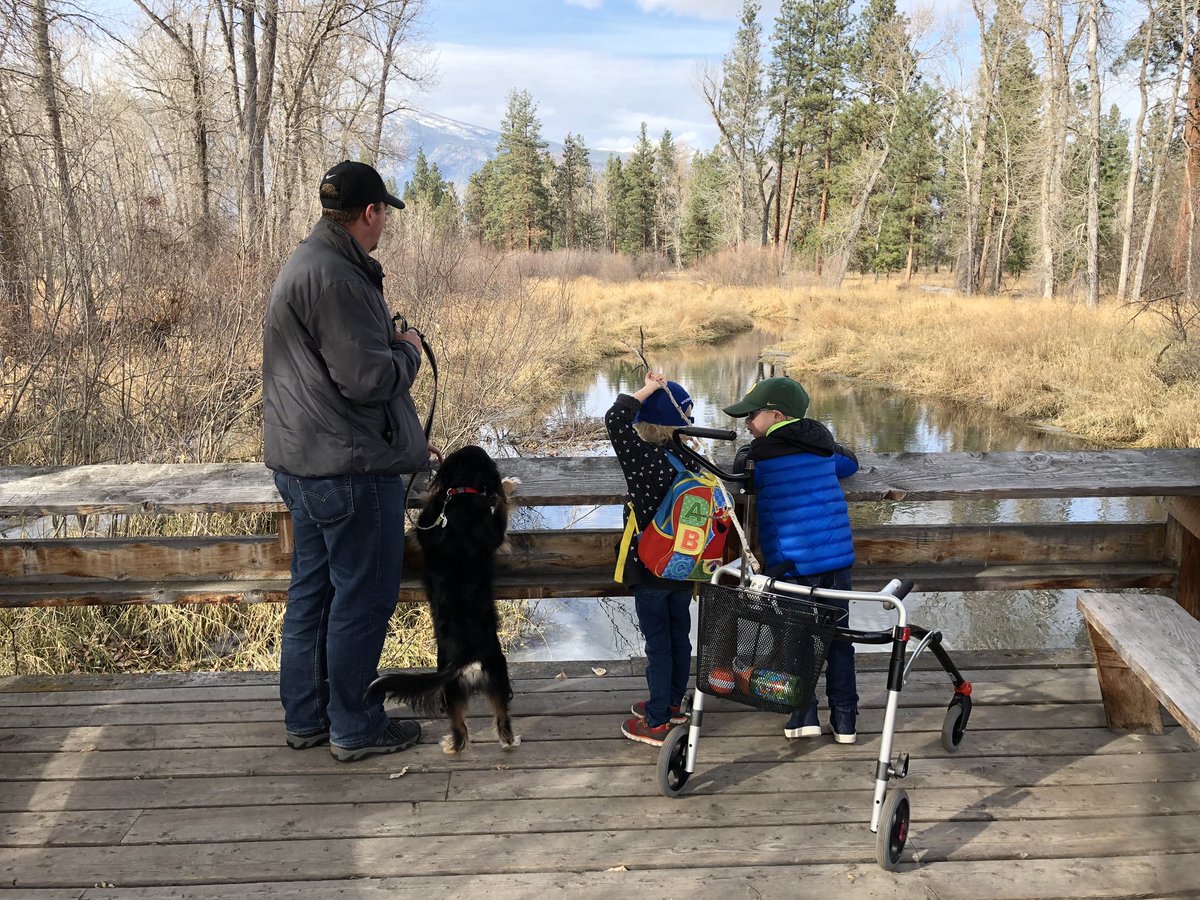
720, 434
898, 589
704, 462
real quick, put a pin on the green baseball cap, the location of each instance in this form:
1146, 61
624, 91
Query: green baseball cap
783, 394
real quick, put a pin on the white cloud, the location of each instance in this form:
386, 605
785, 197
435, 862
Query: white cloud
598, 95
701, 9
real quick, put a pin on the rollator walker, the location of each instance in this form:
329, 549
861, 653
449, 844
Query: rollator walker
762, 642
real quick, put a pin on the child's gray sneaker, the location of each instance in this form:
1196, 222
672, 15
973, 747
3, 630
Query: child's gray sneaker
399, 735
304, 741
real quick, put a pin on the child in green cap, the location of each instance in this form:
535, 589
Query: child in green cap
804, 525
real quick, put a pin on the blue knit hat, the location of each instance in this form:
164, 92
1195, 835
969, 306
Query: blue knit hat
659, 410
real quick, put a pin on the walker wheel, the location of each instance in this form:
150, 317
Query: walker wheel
893, 830
672, 762
954, 727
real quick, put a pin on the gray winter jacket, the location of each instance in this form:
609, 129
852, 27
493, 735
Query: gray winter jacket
335, 385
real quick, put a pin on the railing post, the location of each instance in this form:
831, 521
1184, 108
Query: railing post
1183, 545
287, 537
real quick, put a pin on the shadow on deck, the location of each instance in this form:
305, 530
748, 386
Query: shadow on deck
179, 785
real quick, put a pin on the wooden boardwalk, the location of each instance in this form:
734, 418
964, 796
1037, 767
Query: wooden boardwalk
179, 786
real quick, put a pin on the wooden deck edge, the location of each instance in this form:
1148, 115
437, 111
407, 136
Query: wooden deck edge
969, 661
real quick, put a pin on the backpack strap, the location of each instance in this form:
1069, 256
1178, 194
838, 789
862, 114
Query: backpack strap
676, 462
631, 531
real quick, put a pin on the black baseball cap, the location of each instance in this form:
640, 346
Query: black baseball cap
353, 185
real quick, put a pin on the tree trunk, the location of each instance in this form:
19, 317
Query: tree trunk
79, 280
1139, 132
823, 212
791, 204
1093, 213
1181, 257
987, 242
840, 262
1160, 152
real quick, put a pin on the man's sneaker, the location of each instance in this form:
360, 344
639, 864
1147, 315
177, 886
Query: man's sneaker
802, 724
638, 730
304, 741
399, 735
841, 723
678, 716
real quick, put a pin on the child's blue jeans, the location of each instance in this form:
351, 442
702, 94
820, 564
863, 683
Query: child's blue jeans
665, 620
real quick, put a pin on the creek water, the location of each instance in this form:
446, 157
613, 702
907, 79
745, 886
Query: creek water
864, 417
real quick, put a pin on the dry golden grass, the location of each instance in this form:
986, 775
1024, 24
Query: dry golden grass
1091, 372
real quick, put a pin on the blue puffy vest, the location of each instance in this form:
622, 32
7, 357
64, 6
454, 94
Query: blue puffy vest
802, 514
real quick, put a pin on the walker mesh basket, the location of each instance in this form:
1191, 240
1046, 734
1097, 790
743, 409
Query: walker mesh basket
762, 649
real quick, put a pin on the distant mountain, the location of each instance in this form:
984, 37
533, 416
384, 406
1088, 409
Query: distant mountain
459, 149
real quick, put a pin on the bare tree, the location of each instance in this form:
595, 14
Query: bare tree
43, 51
389, 31
1139, 132
185, 42
1162, 152
1059, 49
1093, 189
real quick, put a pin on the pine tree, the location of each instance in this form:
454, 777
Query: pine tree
668, 172
701, 221
738, 106
638, 230
428, 197
573, 181
614, 203
521, 195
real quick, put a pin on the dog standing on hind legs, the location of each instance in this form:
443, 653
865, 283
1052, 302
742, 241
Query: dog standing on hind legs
462, 525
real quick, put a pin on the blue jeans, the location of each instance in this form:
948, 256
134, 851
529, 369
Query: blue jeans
346, 566
841, 682
665, 620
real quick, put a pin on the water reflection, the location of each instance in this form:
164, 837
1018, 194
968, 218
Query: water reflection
865, 417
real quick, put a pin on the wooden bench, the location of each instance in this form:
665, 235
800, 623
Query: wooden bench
1147, 650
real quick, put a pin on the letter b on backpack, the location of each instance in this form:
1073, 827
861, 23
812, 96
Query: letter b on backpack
687, 538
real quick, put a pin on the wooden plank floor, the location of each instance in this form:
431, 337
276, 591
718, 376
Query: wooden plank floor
179, 786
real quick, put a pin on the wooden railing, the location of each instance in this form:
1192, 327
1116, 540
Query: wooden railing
1161, 552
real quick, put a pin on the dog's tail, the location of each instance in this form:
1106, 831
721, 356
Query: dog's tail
422, 691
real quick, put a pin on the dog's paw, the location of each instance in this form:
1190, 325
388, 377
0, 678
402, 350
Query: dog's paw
515, 742
510, 483
450, 746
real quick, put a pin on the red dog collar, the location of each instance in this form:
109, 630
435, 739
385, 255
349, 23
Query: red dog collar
450, 492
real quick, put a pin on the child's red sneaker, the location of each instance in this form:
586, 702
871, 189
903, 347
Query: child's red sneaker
638, 730
678, 716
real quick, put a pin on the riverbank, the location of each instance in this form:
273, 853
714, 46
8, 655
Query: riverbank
1099, 374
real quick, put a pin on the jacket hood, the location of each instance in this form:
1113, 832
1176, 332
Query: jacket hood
798, 436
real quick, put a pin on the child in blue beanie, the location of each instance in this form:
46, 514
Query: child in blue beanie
640, 427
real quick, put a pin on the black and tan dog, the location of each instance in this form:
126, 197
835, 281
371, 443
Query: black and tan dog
461, 526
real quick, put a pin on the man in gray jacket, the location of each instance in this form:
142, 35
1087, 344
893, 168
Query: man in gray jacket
340, 430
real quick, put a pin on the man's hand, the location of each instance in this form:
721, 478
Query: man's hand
435, 451
411, 336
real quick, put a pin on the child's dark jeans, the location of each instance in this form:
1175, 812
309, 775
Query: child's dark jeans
841, 683
665, 620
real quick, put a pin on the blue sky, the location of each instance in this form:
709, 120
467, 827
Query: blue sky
599, 68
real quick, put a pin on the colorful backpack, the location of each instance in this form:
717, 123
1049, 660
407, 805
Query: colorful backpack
686, 540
